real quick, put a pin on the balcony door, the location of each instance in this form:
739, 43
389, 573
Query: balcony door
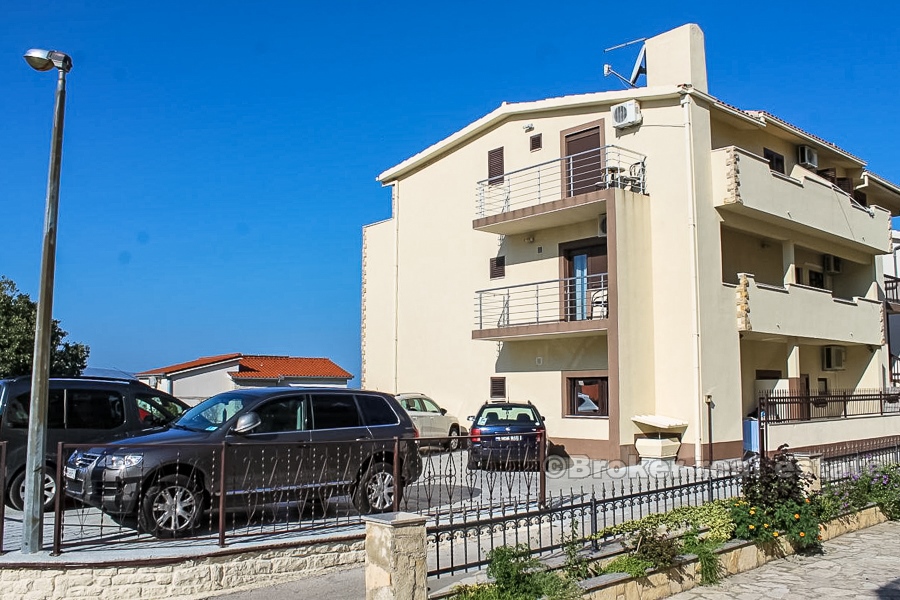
583, 162
585, 287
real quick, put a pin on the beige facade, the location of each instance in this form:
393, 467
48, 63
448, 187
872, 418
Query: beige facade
672, 262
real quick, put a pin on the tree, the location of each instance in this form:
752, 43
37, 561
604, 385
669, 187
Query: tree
18, 315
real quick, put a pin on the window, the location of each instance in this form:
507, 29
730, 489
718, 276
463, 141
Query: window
498, 267
816, 279
823, 386
94, 409
284, 414
157, 410
376, 410
430, 406
537, 142
776, 161
16, 413
334, 411
495, 166
498, 387
587, 397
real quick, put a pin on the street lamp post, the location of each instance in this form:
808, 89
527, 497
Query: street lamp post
36, 480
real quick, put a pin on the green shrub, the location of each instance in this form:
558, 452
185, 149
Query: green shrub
705, 551
655, 547
519, 576
714, 516
875, 485
630, 564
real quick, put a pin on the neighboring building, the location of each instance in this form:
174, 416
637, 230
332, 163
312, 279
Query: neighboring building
199, 379
648, 261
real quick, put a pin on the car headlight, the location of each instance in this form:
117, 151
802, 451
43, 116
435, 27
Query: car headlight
121, 461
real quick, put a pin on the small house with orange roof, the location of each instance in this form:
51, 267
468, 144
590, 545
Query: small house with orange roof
203, 377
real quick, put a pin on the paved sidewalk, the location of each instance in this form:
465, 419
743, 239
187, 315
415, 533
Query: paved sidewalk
864, 564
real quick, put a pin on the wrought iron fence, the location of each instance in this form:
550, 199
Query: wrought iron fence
787, 406
571, 299
461, 542
892, 289
588, 171
266, 491
852, 458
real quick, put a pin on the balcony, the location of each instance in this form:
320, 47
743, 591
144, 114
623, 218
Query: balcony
572, 307
559, 192
744, 185
805, 312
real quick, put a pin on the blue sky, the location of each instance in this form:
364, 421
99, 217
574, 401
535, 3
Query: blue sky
219, 157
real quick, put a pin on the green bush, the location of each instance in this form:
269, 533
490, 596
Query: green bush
714, 516
629, 564
519, 576
705, 551
875, 485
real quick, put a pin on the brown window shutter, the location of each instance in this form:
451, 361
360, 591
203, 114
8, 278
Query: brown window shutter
498, 267
495, 166
498, 387
537, 142
845, 183
860, 197
776, 161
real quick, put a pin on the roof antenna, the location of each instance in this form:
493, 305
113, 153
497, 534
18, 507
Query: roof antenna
640, 65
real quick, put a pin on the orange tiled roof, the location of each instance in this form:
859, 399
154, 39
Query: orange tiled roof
200, 362
275, 367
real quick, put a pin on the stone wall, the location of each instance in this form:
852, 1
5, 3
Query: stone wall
190, 579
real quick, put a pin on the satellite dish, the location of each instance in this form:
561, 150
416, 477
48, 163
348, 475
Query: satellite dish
640, 67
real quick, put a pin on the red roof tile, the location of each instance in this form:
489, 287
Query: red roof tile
275, 367
200, 362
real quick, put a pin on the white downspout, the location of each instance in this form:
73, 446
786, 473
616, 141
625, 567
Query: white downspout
695, 280
395, 201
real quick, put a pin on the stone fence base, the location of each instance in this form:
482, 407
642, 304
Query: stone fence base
178, 579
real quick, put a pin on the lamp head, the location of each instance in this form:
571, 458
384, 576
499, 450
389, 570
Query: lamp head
44, 60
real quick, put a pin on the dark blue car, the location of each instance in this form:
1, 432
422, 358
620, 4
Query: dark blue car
506, 435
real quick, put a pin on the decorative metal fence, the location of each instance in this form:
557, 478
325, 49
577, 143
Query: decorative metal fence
460, 542
786, 406
852, 458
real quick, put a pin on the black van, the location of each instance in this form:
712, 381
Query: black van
81, 410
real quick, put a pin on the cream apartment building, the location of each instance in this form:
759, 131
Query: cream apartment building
651, 253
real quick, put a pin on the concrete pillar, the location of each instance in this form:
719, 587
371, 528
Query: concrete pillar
395, 557
787, 262
811, 462
793, 359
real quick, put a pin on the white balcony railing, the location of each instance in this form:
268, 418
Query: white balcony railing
589, 171
573, 299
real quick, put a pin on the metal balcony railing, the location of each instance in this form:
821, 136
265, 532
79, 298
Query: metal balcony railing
784, 406
589, 171
892, 289
573, 299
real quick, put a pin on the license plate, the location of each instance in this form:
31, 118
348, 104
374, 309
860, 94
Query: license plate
70, 473
509, 438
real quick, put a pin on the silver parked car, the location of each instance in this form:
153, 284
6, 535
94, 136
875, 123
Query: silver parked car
431, 420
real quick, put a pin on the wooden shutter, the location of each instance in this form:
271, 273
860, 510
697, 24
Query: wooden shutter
498, 267
845, 183
584, 162
537, 142
860, 197
498, 387
495, 166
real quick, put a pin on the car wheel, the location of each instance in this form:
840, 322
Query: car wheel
453, 440
171, 507
15, 496
376, 489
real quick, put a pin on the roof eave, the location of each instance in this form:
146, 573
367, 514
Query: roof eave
507, 110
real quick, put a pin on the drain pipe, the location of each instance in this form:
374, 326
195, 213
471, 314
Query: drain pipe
695, 281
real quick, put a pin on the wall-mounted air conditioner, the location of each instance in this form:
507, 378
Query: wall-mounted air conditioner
808, 157
626, 114
833, 358
832, 264
601, 226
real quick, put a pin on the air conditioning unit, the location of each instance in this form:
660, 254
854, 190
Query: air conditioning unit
626, 114
832, 264
808, 157
833, 358
601, 226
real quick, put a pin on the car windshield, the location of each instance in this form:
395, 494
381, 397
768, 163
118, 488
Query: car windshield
212, 413
506, 415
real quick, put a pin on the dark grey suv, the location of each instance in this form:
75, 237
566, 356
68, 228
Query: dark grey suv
80, 410
283, 446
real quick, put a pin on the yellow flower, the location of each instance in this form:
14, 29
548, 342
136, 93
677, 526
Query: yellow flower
802, 534
752, 527
766, 525
775, 533
752, 512
796, 515
807, 500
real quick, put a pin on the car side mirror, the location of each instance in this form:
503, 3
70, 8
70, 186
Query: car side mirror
247, 422
443, 411
471, 417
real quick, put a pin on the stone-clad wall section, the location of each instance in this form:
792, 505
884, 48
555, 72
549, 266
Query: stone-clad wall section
191, 579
